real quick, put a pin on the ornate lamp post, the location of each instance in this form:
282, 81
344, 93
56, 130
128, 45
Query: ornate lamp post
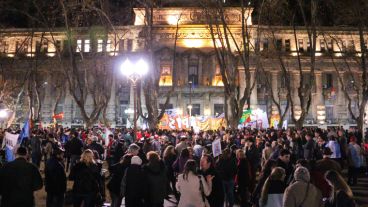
134, 71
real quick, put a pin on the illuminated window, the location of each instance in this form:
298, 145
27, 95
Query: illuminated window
79, 46
87, 45
351, 45
193, 65
166, 76
58, 45
322, 45
330, 46
279, 44
100, 45
108, 46
287, 45
301, 45
217, 80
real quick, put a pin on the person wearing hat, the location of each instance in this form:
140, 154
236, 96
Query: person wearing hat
134, 182
327, 163
55, 179
18, 180
302, 193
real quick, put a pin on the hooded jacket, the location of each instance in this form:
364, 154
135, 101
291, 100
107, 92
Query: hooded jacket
155, 174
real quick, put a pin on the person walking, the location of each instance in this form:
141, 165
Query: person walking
55, 179
155, 173
193, 187
134, 182
18, 180
354, 160
273, 189
85, 175
342, 196
302, 193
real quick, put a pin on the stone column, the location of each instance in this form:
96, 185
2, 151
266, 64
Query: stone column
254, 95
342, 112
320, 109
275, 89
68, 109
46, 110
110, 112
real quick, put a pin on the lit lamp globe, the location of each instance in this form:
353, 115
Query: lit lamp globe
127, 68
3, 114
141, 67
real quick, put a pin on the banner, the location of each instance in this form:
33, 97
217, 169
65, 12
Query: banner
216, 148
254, 119
178, 122
10, 142
275, 120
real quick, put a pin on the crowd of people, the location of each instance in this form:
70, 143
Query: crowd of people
290, 168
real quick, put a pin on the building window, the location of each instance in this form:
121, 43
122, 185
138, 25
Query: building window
279, 44
168, 107
300, 45
217, 80
328, 82
87, 45
3, 47
166, 76
79, 46
287, 45
130, 45
196, 109
108, 46
218, 109
121, 45
58, 45
100, 44
265, 44
193, 65
322, 44
308, 46
351, 46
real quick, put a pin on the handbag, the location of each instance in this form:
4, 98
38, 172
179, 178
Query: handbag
201, 189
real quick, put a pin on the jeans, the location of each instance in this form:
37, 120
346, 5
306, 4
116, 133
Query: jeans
229, 191
36, 159
54, 200
115, 200
88, 200
353, 175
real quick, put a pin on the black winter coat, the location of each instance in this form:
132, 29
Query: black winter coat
86, 179
18, 180
117, 172
74, 146
135, 183
55, 177
216, 198
156, 178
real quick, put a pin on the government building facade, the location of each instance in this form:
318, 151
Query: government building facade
183, 32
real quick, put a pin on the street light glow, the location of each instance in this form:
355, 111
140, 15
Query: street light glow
142, 67
127, 68
3, 113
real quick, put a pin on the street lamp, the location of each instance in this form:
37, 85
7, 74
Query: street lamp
134, 71
190, 106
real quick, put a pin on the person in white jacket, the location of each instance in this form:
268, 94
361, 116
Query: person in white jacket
193, 187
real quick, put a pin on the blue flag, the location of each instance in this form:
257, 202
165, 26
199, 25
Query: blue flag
25, 132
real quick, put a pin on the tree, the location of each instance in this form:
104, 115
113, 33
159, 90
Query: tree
232, 49
352, 13
151, 84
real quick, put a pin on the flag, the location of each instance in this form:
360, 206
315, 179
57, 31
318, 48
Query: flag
10, 144
285, 124
25, 131
245, 118
58, 116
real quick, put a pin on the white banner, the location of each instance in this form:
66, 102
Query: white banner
216, 148
10, 140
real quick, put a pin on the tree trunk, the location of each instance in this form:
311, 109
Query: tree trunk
231, 116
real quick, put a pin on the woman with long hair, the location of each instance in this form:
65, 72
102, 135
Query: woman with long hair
341, 195
193, 187
266, 171
178, 165
85, 175
169, 157
242, 177
273, 189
